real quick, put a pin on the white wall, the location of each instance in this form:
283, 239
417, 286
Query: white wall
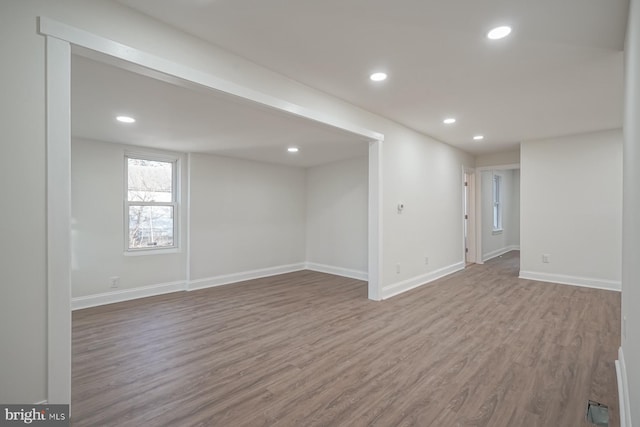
497, 243
23, 296
571, 209
426, 177
245, 216
97, 225
412, 164
511, 157
631, 239
337, 215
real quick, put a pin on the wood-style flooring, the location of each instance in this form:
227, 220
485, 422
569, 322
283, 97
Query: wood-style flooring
477, 348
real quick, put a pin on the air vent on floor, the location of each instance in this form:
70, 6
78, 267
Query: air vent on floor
598, 414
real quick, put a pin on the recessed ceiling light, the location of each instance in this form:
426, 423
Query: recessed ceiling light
292, 149
125, 119
449, 121
478, 138
378, 77
499, 32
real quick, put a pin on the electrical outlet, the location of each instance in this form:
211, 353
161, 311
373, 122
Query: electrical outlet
398, 268
546, 258
115, 281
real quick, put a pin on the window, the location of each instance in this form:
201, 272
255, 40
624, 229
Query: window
151, 203
497, 203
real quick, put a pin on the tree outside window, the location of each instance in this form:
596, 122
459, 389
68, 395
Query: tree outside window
151, 203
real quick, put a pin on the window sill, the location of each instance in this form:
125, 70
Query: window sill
494, 232
144, 252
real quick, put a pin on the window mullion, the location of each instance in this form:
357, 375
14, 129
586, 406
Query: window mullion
130, 203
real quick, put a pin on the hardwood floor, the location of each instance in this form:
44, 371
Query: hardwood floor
477, 348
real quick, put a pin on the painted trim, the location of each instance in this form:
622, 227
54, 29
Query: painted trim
562, 279
42, 402
406, 285
478, 217
122, 295
501, 251
337, 271
114, 49
58, 193
471, 256
126, 295
374, 225
187, 221
498, 167
150, 252
623, 390
176, 184
464, 201
227, 279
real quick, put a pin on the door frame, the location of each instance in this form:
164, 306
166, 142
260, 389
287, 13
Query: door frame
468, 197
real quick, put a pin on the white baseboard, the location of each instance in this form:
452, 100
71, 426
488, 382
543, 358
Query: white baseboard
498, 252
227, 279
623, 390
42, 402
405, 285
338, 271
587, 282
125, 295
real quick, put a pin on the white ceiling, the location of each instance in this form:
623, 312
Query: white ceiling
560, 72
176, 118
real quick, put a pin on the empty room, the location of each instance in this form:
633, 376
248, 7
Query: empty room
303, 213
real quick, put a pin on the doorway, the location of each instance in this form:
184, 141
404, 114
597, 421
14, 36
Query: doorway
498, 216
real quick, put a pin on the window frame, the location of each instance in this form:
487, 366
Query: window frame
497, 190
174, 203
